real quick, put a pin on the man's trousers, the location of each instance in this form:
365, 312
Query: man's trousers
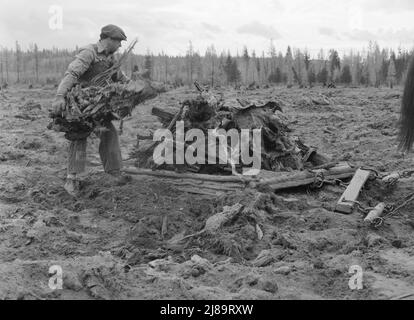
109, 151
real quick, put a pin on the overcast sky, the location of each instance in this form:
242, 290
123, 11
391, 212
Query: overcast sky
169, 25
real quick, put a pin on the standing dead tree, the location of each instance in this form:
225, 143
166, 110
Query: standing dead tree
391, 73
1, 69
18, 58
36, 59
190, 63
246, 59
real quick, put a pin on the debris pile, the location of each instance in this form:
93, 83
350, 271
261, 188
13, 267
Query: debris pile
278, 150
89, 108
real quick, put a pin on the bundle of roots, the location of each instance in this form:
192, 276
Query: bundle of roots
91, 107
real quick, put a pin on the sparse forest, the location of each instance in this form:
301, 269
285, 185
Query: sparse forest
373, 66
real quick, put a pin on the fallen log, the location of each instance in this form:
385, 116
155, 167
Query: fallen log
195, 176
215, 184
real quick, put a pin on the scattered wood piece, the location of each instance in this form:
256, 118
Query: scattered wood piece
308, 154
347, 201
164, 227
141, 137
391, 178
259, 232
222, 186
215, 222
408, 295
326, 166
200, 192
375, 213
264, 259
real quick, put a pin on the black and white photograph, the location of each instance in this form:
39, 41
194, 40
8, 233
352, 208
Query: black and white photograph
207, 155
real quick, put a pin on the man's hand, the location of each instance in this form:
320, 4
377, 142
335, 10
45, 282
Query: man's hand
58, 105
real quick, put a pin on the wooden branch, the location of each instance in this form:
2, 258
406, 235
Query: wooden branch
201, 192
175, 119
150, 147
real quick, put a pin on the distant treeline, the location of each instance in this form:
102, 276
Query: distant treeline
371, 67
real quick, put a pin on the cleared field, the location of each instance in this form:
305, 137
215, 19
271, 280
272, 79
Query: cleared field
112, 242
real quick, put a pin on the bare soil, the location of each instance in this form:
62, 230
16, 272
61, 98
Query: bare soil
111, 243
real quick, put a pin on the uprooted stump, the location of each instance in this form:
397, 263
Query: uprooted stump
238, 231
214, 223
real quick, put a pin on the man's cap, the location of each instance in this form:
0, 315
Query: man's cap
113, 32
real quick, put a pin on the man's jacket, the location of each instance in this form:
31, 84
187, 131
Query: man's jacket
89, 62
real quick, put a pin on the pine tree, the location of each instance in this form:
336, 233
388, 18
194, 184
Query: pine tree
198, 67
298, 67
212, 56
232, 70
148, 65
307, 60
346, 76
289, 66
253, 65
272, 53
323, 75
391, 72
265, 67
276, 77
334, 65
311, 75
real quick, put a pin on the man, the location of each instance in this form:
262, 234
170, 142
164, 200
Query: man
92, 60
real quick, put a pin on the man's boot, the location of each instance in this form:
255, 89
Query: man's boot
119, 177
72, 186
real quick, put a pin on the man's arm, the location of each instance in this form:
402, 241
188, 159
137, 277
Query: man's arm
75, 70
